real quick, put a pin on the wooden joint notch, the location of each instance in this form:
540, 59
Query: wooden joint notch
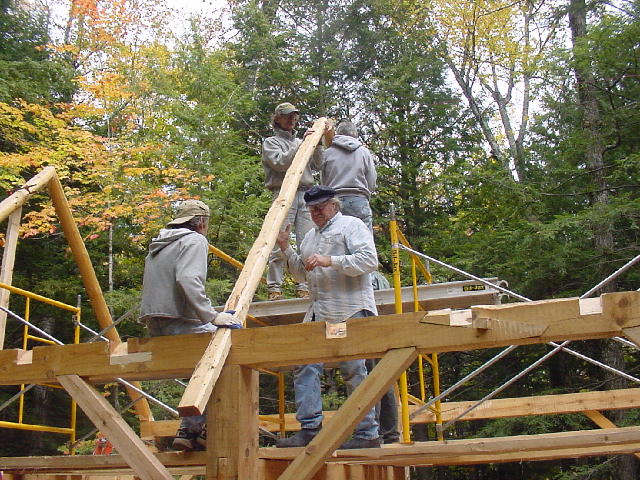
448, 317
120, 355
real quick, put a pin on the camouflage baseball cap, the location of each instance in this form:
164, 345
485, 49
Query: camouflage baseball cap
285, 109
189, 209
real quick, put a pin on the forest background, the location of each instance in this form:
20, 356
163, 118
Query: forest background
507, 135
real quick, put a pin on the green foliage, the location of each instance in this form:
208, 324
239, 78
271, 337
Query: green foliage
28, 69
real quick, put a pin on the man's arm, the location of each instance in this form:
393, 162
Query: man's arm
275, 157
370, 172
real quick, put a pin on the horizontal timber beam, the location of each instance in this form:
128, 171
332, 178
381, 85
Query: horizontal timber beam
499, 408
270, 347
547, 446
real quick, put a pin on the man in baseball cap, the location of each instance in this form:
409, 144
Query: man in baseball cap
174, 300
278, 152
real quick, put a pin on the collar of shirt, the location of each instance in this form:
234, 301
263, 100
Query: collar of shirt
329, 223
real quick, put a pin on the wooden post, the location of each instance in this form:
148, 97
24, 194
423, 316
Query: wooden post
105, 418
232, 424
90, 282
201, 384
310, 460
18, 198
8, 259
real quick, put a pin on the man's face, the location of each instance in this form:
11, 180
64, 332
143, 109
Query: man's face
322, 212
287, 122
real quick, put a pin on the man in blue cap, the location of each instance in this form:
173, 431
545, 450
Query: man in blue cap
336, 259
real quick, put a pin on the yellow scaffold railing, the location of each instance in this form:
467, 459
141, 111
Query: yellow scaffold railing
26, 336
397, 237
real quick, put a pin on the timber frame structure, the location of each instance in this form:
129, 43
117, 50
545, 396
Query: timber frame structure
224, 375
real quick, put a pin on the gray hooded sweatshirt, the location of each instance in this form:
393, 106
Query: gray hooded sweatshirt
278, 153
175, 272
348, 167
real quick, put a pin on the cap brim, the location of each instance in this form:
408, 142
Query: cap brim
179, 220
287, 111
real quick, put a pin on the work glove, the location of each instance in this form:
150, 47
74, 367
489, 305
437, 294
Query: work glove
228, 320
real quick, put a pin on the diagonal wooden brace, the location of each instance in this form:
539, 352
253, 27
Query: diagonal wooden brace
108, 421
363, 398
196, 396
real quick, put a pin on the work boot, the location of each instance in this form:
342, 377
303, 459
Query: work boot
183, 440
360, 443
302, 293
275, 296
201, 440
391, 439
300, 439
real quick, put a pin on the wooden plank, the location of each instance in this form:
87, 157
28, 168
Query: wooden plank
460, 294
8, 260
199, 389
633, 334
22, 194
90, 281
538, 405
109, 421
232, 437
364, 397
603, 422
92, 463
421, 453
491, 409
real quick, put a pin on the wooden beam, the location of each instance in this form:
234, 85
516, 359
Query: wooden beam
364, 397
538, 405
109, 421
497, 408
90, 282
23, 193
270, 347
603, 422
199, 389
232, 437
557, 445
8, 260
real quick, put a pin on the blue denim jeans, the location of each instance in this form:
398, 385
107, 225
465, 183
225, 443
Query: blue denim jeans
300, 220
306, 384
159, 327
357, 206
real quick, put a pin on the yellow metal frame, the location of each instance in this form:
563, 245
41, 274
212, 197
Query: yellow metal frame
398, 237
26, 336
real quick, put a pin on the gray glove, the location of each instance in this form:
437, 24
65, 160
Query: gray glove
225, 319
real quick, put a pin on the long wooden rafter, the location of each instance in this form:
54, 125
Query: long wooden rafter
207, 371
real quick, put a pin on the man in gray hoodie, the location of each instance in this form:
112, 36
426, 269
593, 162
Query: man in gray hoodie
174, 300
278, 152
348, 168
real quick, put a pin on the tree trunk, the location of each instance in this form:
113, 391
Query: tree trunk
626, 466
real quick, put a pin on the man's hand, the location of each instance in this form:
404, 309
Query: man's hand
316, 260
283, 237
225, 319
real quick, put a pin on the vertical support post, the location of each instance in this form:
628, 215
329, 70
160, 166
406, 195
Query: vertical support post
8, 261
232, 425
395, 258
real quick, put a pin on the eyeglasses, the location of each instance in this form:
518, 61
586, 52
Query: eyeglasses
319, 207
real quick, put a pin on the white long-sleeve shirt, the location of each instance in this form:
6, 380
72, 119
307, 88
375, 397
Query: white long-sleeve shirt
344, 288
